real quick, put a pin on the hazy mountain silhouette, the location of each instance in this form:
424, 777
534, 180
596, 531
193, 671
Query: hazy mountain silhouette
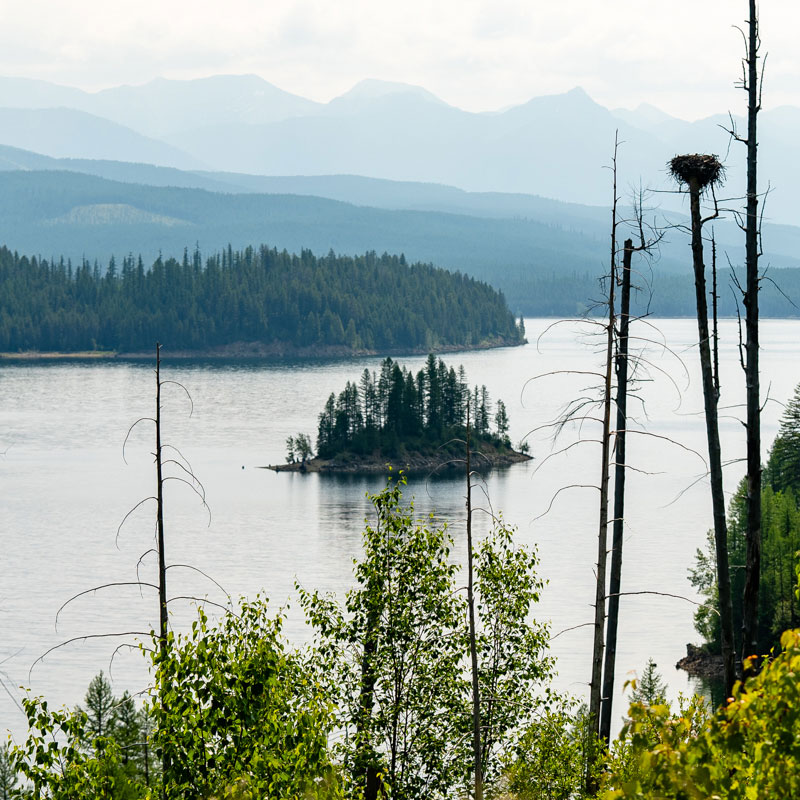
554, 146
65, 132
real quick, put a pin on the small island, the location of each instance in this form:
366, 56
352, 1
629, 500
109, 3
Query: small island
413, 422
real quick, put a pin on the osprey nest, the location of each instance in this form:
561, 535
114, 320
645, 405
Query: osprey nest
706, 170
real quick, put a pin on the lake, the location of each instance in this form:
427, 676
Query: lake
66, 488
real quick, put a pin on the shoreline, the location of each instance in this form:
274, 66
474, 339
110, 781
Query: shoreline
242, 351
698, 663
372, 465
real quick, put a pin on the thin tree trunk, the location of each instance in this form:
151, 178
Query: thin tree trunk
162, 564
473, 648
602, 535
711, 400
366, 767
615, 578
714, 304
753, 533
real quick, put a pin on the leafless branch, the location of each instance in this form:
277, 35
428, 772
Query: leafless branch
98, 588
127, 435
177, 383
124, 519
573, 628
563, 489
83, 639
204, 574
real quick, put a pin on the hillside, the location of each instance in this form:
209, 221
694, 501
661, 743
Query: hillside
63, 213
545, 256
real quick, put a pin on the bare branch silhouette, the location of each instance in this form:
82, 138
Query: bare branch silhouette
124, 519
127, 435
84, 638
204, 574
97, 589
177, 383
564, 489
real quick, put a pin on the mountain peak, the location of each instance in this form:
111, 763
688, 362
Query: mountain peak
371, 89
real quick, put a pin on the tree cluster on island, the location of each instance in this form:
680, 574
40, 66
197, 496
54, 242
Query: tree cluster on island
367, 303
394, 412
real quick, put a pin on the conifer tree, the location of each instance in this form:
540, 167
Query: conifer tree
100, 703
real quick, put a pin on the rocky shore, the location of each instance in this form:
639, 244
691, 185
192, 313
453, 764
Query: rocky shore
409, 462
699, 663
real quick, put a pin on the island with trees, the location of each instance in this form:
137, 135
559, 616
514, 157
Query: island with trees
412, 421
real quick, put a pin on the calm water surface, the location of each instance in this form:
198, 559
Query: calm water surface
66, 488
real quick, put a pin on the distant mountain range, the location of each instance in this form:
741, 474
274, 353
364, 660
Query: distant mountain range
554, 146
112, 174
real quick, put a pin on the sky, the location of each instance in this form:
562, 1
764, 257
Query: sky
480, 55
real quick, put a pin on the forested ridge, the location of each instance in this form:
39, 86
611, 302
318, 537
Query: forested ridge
365, 303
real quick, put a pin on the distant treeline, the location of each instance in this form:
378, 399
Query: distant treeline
370, 302
395, 408
538, 294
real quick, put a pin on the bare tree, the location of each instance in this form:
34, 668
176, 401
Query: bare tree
615, 578
473, 649
602, 534
752, 85
700, 173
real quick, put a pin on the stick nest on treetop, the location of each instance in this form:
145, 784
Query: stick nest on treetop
705, 169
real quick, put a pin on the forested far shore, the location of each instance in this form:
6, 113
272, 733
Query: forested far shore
656, 293
256, 301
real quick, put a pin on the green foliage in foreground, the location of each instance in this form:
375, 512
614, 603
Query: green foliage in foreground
748, 750
382, 699
395, 655
262, 295
235, 708
549, 760
8, 774
62, 759
381, 702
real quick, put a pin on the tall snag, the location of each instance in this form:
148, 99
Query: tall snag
698, 173
602, 535
751, 84
473, 649
615, 580
162, 563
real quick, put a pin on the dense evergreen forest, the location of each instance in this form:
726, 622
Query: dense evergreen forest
779, 608
366, 303
397, 409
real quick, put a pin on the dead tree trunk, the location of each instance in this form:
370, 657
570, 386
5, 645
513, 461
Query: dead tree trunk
602, 534
753, 532
698, 172
711, 402
473, 648
162, 564
615, 578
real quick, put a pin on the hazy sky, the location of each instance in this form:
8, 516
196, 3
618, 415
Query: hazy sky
682, 56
